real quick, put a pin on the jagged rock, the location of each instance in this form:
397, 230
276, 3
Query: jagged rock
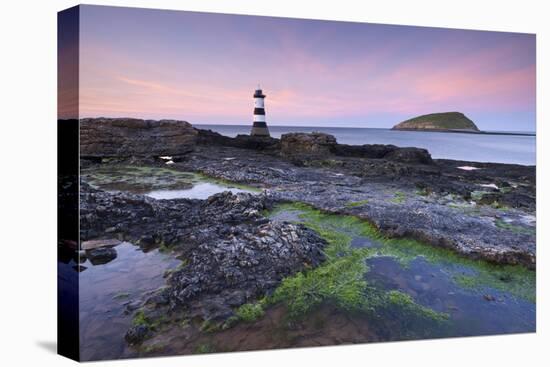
125, 138
209, 137
230, 257
425, 214
307, 144
137, 334
102, 255
410, 155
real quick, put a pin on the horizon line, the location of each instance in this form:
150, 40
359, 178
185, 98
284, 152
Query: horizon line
277, 125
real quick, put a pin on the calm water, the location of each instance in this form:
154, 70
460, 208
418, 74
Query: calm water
468, 147
201, 190
107, 290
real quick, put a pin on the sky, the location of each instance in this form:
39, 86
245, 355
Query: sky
203, 68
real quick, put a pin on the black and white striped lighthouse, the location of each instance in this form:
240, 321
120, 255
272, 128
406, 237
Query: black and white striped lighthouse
259, 127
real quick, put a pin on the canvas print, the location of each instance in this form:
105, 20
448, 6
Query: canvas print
233, 183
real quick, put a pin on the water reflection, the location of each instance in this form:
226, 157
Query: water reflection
472, 311
201, 190
107, 291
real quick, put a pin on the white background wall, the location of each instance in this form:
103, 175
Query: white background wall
28, 176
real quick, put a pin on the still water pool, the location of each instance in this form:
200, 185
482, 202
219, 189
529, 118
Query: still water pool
109, 293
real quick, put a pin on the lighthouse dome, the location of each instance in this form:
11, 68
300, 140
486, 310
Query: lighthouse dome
258, 94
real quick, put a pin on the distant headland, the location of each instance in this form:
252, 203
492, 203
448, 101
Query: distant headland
450, 122
439, 121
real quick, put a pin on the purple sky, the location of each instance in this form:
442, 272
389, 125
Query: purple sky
203, 68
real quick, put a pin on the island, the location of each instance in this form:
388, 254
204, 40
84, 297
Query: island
444, 121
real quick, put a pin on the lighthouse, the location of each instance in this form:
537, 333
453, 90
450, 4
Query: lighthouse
259, 127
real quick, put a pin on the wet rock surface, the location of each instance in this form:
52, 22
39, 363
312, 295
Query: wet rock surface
232, 253
483, 213
137, 334
99, 256
414, 196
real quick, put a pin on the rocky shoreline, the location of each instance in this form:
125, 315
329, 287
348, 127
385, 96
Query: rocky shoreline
233, 254
487, 212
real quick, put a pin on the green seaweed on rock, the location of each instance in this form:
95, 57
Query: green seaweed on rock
399, 197
514, 228
205, 349
354, 204
338, 230
250, 311
340, 280
140, 319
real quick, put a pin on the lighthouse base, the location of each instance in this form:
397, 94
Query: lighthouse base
259, 129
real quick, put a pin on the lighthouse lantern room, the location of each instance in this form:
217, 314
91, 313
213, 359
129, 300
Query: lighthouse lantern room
259, 127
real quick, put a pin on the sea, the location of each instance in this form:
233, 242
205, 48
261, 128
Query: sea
516, 149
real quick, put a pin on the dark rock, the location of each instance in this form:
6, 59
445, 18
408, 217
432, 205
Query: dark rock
230, 257
209, 137
101, 255
410, 155
426, 213
125, 137
137, 334
255, 142
146, 241
79, 268
372, 151
158, 299
489, 198
307, 144
131, 306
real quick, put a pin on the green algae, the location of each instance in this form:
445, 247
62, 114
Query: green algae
209, 326
477, 195
250, 311
340, 280
154, 348
424, 191
405, 302
399, 197
339, 230
205, 349
164, 248
515, 280
140, 319
514, 228
354, 204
